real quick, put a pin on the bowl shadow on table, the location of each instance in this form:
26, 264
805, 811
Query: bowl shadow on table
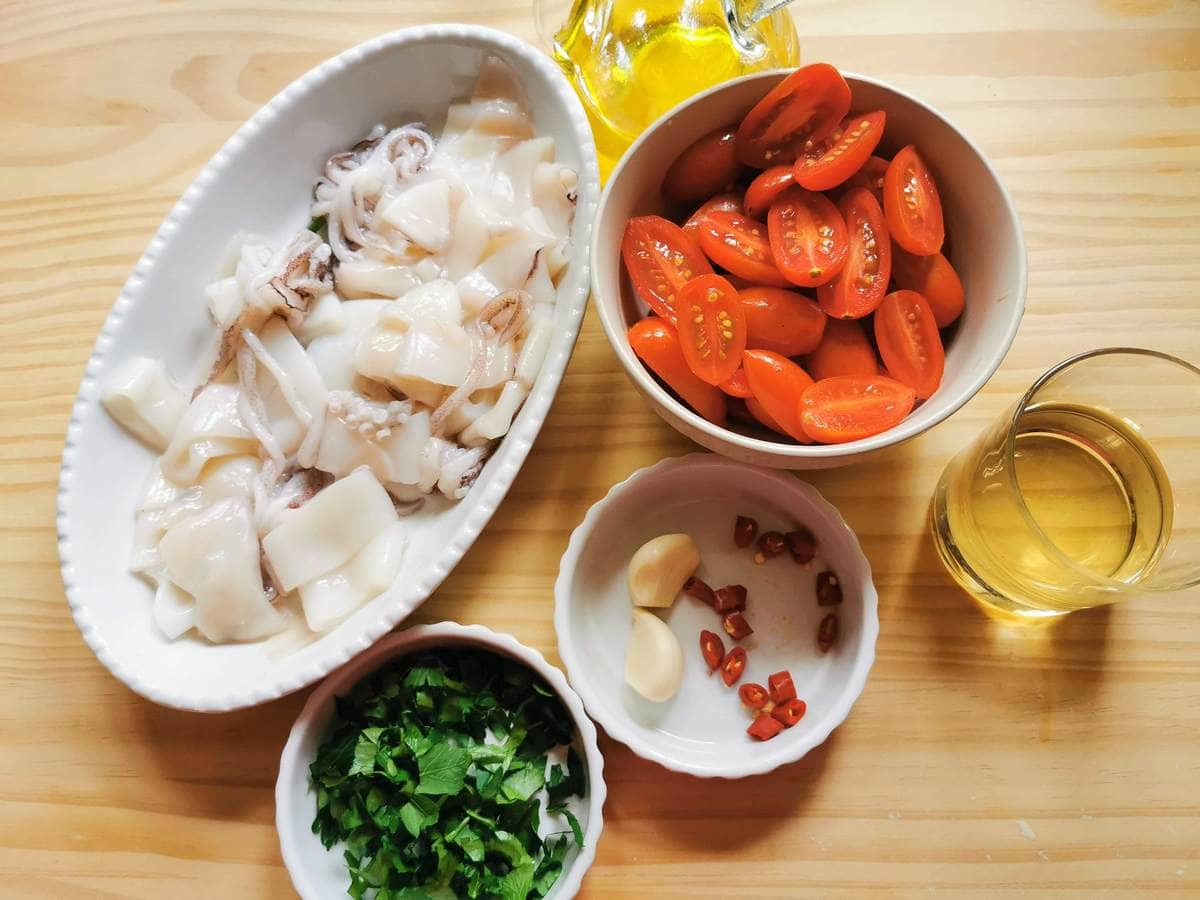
750, 809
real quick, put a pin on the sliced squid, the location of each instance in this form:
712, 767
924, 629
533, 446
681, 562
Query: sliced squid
174, 610
332, 597
333, 354
371, 278
324, 318
327, 530
496, 421
422, 214
142, 397
211, 428
214, 556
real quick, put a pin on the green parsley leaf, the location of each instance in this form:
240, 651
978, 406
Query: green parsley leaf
517, 884
442, 769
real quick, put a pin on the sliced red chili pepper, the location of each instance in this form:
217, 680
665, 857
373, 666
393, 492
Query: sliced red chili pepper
712, 648
829, 590
782, 688
733, 665
827, 632
698, 590
789, 713
764, 728
753, 695
731, 598
736, 626
745, 530
802, 543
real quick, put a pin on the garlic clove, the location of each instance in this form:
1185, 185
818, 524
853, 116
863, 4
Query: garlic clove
654, 659
660, 567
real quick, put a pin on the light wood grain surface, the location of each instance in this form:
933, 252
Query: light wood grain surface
979, 760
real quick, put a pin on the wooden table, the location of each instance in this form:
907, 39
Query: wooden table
979, 759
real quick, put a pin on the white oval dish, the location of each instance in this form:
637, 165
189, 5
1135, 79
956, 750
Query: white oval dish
702, 730
320, 874
984, 242
261, 181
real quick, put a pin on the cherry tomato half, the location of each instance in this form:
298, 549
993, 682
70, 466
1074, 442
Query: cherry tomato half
860, 286
781, 320
738, 243
870, 176
656, 343
808, 237
726, 202
733, 665
912, 204
760, 414
753, 695
842, 153
778, 384
660, 260
933, 278
844, 350
846, 408
805, 106
736, 385
781, 686
712, 327
763, 190
712, 648
764, 728
789, 713
909, 342
705, 167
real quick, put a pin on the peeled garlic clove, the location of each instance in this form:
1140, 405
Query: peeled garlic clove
654, 660
659, 569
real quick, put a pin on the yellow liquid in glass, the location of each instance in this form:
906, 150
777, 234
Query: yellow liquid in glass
632, 60
1096, 514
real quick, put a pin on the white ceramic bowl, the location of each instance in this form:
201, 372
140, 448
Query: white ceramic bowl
702, 730
261, 181
320, 874
984, 239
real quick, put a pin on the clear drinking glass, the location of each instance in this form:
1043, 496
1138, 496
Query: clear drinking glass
1086, 492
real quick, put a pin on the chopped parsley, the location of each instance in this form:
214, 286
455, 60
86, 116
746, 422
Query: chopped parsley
432, 778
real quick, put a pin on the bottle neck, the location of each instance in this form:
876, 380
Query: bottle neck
743, 14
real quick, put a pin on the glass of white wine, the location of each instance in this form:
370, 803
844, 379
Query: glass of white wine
1086, 492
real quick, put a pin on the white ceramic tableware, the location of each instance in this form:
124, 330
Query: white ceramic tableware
984, 242
320, 874
702, 730
261, 181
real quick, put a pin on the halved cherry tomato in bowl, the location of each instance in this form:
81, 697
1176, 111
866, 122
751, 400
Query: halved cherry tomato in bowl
763, 190
778, 385
912, 204
733, 666
862, 282
737, 385
656, 343
781, 687
909, 343
805, 106
753, 695
705, 167
789, 712
842, 153
847, 408
870, 176
808, 237
844, 350
726, 202
781, 320
660, 259
739, 244
933, 278
712, 648
764, 728
712, 327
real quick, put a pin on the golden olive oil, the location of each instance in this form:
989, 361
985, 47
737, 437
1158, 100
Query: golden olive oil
632, 60
1081, 509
